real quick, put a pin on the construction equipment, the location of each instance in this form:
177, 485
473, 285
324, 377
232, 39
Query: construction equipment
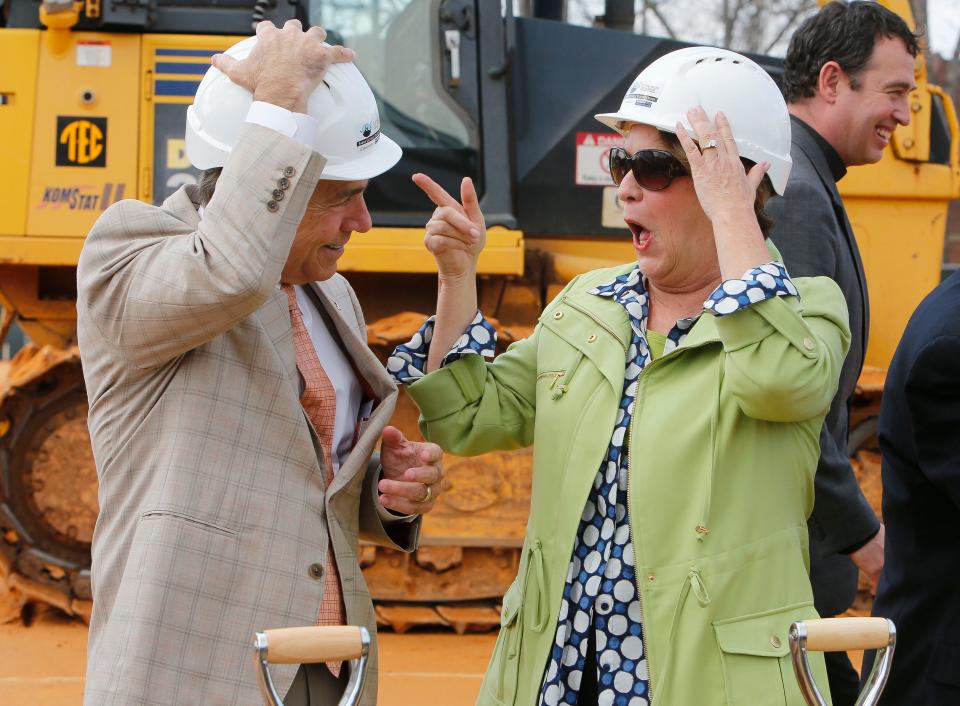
97, 107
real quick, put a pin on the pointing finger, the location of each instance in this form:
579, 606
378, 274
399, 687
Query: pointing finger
471, 204
434, 191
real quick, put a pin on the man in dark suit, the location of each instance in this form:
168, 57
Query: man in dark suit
847, 75
920, 440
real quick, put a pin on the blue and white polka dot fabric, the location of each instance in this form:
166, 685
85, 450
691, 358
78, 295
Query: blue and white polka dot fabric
600, 594
764, 282
408, 362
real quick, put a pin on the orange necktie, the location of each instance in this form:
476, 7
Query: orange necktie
319, 401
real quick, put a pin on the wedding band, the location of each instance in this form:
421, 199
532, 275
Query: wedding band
708, 145
426, 498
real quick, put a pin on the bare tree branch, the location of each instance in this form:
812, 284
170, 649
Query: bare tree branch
789, 25
654, 7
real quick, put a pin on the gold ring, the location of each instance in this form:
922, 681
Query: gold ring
426, 498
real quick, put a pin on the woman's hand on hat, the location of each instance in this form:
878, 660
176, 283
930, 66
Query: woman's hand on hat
456, 232
726, 192
285, 65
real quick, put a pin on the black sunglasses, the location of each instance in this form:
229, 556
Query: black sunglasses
654, 170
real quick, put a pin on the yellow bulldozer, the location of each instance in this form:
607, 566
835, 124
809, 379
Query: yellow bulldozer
92, 102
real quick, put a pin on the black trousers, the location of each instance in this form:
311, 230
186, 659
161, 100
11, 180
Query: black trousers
844, 682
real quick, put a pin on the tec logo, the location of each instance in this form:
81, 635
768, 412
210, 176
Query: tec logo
81, 141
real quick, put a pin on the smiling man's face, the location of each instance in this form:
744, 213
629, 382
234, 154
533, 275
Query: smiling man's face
874, 103
335, 211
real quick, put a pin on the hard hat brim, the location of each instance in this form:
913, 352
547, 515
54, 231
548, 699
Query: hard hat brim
377, 161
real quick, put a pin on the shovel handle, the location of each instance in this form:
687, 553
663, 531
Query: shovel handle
311, 644
837, 635
841, 634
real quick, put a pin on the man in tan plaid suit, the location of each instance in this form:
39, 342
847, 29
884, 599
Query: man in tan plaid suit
233, 485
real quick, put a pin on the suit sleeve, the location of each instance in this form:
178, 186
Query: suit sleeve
842, 518
804, 228
932, 394
805, 232
155, 296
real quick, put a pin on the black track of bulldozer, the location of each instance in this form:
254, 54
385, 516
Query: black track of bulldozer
48, 486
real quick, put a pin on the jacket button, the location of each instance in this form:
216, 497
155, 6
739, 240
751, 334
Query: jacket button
316, 570
775, 641
289, 171
272, 206
278, 194
283, 183
651, 578
591, 338
808, 344
558, 314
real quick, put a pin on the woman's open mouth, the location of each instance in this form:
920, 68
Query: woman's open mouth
641, 236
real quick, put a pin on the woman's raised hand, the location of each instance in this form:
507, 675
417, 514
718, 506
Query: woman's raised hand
455, 233
725, 190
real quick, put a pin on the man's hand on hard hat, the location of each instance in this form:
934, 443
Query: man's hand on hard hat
285, 65
455, 233
726, 191
412, 477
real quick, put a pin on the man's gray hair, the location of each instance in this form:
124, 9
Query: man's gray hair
208, 182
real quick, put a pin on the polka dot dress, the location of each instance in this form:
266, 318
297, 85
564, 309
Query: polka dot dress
600, 600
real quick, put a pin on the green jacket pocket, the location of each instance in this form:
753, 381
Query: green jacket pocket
755, 654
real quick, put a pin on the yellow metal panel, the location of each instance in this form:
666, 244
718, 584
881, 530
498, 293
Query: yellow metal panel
18, 48
401, 250
85, 146
171, 52
39, 251
901, 242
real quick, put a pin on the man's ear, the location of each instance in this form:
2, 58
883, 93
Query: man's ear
830, 80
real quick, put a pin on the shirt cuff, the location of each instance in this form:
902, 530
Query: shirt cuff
408, 362
758, 284
299, 126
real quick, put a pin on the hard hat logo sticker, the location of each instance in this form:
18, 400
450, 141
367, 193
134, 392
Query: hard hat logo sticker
371, 134
81, 141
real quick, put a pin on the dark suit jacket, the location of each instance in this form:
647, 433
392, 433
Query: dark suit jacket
815, 238
920, 439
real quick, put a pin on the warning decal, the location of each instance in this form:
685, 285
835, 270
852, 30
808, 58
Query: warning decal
592, 157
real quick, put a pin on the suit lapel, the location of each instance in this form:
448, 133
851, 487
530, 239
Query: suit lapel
337, 304
813, 152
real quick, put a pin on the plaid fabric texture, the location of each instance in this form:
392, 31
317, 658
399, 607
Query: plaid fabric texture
320, 403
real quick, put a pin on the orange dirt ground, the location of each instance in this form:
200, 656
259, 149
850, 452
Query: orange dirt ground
43, 665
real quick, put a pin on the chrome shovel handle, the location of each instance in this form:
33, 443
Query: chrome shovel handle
309, 645
838, 635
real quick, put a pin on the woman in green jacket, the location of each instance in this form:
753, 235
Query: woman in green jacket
674, 405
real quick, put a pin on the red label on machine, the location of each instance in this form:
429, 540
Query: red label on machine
593, 150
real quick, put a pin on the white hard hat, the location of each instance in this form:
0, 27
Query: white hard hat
348, 134
718, 80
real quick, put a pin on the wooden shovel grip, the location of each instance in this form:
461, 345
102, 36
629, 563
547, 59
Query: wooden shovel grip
841, 634
312, 644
